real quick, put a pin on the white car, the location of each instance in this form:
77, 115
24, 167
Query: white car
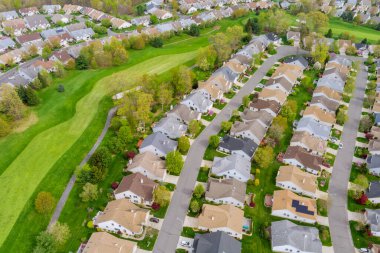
340, 145
364, 250
185, 244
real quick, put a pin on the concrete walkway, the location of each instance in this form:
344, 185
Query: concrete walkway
70, 185
338, 217
174, 219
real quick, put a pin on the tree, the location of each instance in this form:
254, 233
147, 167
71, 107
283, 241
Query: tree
183, 145
194, 206
246, 100
45, 243
221, 44
214, 141
157, 42
194, 30
317, 21
153, 19
140, 9
60, 233
164, 96
289, 110
226, 126
182, 80
351, 50
329, 34
45, 78
341, 117
106, 23
125, 136
264, 156
5, 128
137, 42
44, 203
199, 191
362, 181
350, 85
10, 103
161, 195
274, 20
194, 127
271, 49
276, 132
85, 174
89, 192
101, 158
365, 123
81, 62
174, 162
235, 35
320, 53
61, 88
136, 106
376, 51
28, 96
206, 58
46, 52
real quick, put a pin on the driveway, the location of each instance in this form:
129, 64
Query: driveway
338, 216
175, 216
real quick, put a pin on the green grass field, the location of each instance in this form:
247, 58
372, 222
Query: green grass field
44, 156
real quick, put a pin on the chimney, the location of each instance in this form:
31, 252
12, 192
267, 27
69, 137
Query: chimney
212, 217
141, 180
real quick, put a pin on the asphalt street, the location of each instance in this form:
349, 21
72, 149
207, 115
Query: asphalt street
338, 216
171, 229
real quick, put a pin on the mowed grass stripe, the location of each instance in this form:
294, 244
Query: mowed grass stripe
24, 174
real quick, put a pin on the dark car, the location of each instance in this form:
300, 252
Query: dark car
155, 220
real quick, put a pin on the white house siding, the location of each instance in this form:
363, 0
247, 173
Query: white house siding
153, 150
114, 227
148, 174
287, 248
227, 200
129, 195
246, 134
224, 229
294, 188
374, 171
374, 200
288, 215
233, 174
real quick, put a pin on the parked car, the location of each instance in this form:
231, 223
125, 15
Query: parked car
340, 145
154, 219
185, 244
334, 139
364, 250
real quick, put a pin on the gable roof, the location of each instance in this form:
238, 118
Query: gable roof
283, 81
254, 126
312, 142
303, 238
331, 105
264, 116
314, 127
300, 206
299, 60
330, 93
199, 100
159, 141
272, 94
302, 156
304, 180
185, 113
28, 38
232, 162
36, 20
320, 114
106, 243
246, 145
210, 88
6, 42
138, 184
149, 162
216, 242
225, 188
260, 104
16, 24
170, 127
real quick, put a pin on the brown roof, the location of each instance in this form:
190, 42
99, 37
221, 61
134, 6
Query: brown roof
375, 131
214, 91
273, 94
28, 38
344, 43
16, 24
283, 200
60, 37
138, 184
185, 113
331, 105
292, 72
264, 116
374, 146
117, 22
342, 68
44, 64
252, 126
62, 55
302, 156
328, 92
102, 242
304, 180
27, 10
149, 162
213, 217
264, 104
124, 213
312, 142
281, 81
218, 188
320, 114
236, 67
220, 81
376, 107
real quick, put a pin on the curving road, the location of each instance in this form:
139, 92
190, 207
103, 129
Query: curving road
173, 222
70, 184
338, 215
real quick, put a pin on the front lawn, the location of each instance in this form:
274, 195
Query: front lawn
229, 94
211, 152
322, 207
361, 152
329, 158
362, 140
332, 145
203, 174
336, 133
323, 181
360, 237
160, 213
149, 240
219, 104
209, 117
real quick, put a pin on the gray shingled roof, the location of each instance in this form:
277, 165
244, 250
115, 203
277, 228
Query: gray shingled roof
232, 162
314, 128
373, 218
216, 242
6, 43
299, 59
373, 161
373, 190
246, 145
303, 238
160, 141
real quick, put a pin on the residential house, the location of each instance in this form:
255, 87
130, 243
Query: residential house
225, 218
314, 127
336, 74
293, 179
328, 93
299, 157
137, 188
118, 23
96, 15
50, 9
244, 147
343, 45
61, 56
374, 147
149, 165
289, 71
36, 22
375, 248
242, 59
235, 67
49, 66
340, 59
63, 39
272, 94
184, 114
221, 81
372, 218
299, 61
143, 20
104, 242
122, 216
226, 191
162, 14
289, 237
28, 11
337, 85
263, 117
253, 130
321, 116
311, 143
70, 8
281, 83
373, 164
158, 144
198, 102
232, 166
289, 205
274, 38
14, 27
59, 18
295, 37
28, 39
325, 103
215, 242
29, 73
228, 74
342, 69
270, 106
75, 27
8, 15
83, 34
170, 127
12, 57
373, 192
210, 91
6, 43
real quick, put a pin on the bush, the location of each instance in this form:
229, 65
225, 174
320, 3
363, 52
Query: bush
61, 88
183, 145
194, 206
214, 141
199, 191
257, 182
157, 42
194, 30
44, 202
101, 158
90, 224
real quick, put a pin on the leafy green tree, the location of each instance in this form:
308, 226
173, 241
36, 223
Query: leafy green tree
264, 156
153, 19
199, 191
341, 117
46, 52
5, 128
182, 80
81, 62
10, 103
329, 34
183, 145
214, 141
164, 96
174, 162
194, 30
125, 136
157, 42
45, 243
101, 158
362, 181
140, 9
235, 35
89, 192
365, 123
85, 174
320, 53
137, 42
106, 23
276, 132
28, 95
44, 203
161, 195
289, 110
45, 78
194, 206
226, 126
60, 233
246, 101
194, 127
206, 58
221, 44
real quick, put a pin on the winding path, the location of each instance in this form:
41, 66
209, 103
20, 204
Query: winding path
70, 184
338, 215
172, 226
